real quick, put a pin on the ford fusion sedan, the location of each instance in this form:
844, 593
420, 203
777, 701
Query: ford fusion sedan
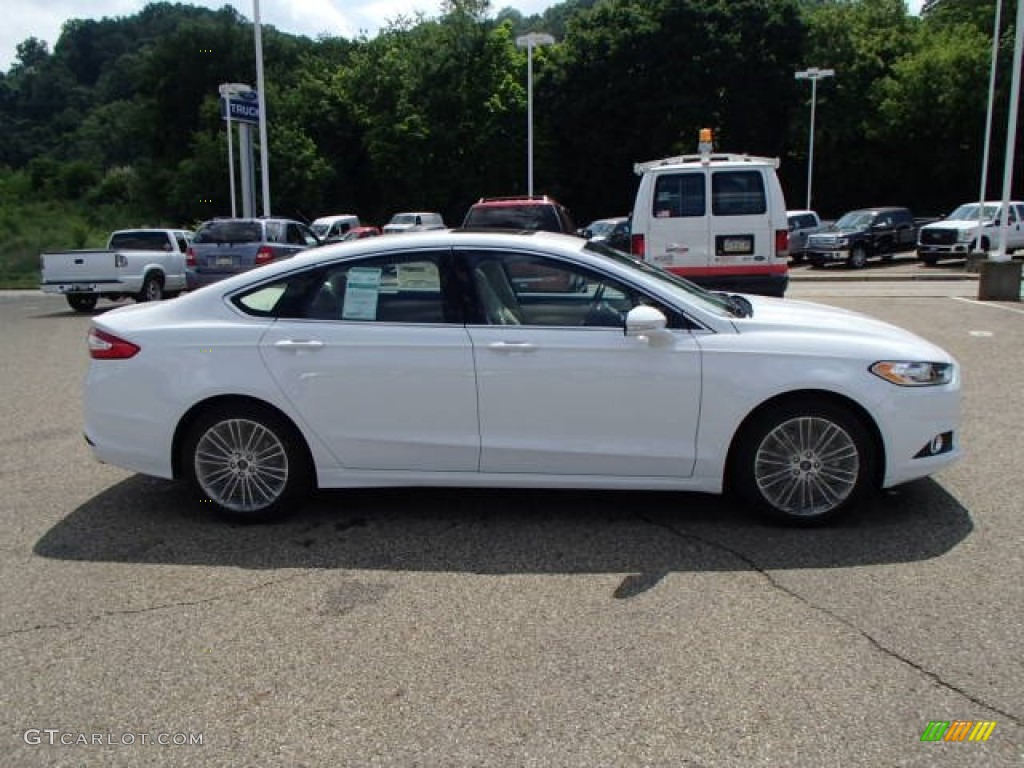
436, 360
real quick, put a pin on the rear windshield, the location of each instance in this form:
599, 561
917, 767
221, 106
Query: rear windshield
230, 232
529, 217
140, 241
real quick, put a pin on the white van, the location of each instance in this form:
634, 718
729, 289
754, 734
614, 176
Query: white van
333, 227
414, 221
716, 219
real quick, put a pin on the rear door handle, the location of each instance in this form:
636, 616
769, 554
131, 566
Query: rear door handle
299, 344
512, 346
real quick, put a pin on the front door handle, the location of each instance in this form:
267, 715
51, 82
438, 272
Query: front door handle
512, 346
299, 344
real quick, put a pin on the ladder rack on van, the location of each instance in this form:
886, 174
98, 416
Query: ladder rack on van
705, 159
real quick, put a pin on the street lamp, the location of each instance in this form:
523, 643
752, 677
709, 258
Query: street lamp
814, 75
528, 42
261, 92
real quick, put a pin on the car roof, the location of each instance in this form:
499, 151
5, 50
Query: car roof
516, 200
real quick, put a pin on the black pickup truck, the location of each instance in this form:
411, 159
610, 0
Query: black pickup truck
859, 235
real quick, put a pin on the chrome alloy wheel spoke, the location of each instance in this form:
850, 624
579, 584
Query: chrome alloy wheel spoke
807, 466
241, 465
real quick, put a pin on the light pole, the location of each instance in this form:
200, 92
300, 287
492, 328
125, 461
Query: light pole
528, 42
261, 92
814, 75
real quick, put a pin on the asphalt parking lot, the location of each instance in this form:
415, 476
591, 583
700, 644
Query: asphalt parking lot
485, 628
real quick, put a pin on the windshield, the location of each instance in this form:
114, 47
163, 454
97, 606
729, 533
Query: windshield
601, 228
320, 230
403, 218
969, 212
140, 241
230, 231
693, 293
855, 220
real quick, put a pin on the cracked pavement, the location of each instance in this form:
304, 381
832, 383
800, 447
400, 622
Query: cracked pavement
492, 628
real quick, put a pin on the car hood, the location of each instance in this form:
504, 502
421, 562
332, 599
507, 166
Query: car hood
958, 224
803, 321
834, 230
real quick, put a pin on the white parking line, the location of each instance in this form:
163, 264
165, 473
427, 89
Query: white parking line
987, 304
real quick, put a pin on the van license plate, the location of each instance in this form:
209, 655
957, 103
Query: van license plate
224, 261
734, 245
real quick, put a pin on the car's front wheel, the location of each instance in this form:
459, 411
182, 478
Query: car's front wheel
858, 257
803, 464
247, 461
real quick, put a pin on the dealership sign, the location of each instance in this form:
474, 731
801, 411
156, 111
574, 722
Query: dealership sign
242, 107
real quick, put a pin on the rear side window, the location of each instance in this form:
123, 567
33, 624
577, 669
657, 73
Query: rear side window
401, 288
738, 193
140, 241
679, 195
230, 232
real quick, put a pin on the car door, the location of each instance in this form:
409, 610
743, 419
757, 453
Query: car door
561, 389
1015, 228
371, 356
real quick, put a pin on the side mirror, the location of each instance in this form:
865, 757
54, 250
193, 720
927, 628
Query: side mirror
644, 320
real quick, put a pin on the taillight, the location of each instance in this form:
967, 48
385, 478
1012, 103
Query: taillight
781, 243
637, 246
264, 255
107, 346
190, 257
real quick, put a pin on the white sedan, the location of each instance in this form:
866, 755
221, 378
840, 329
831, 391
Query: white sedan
535, 360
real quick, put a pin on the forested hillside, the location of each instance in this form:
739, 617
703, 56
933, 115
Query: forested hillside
119, 125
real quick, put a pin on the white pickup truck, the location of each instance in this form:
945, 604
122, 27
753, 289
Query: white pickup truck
957, 235
147, 264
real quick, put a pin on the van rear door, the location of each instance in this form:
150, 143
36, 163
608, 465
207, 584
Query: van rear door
742, 234
678, 231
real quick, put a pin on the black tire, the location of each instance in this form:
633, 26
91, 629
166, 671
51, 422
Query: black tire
152, 289
858, 257
797, 258
929, 261
82, 302
246, 462
803, 463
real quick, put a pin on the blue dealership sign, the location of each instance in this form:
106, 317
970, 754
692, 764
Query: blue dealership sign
242, 107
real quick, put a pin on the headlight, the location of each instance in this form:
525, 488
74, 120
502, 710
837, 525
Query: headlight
842, 240
965, 236
913, 374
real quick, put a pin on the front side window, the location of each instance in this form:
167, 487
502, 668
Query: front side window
679, 195
738, 193
529, 289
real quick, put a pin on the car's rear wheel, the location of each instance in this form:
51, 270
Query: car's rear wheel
247, 461
803, 463
82, 302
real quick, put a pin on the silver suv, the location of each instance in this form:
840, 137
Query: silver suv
413, 222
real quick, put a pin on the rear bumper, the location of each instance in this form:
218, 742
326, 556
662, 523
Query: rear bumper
112, 287
770, 284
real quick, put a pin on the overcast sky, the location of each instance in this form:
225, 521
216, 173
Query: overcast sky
342, 18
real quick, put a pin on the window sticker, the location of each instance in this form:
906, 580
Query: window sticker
418, 276
361, 291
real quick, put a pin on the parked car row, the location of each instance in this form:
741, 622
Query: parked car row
882, 232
